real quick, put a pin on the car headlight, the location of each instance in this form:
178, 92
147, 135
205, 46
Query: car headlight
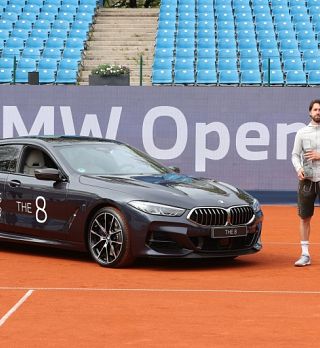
256, 205
157, 209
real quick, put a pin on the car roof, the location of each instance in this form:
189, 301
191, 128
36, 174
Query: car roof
56, 140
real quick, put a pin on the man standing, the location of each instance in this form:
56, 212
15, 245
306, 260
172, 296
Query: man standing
306, 161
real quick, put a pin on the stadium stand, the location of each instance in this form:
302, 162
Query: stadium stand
39, 34
257, 42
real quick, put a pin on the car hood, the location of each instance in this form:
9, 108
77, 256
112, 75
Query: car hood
172, 189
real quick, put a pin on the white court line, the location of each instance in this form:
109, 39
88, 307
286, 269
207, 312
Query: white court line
15, 307
226, 291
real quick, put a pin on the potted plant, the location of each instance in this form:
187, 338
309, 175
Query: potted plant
110, 74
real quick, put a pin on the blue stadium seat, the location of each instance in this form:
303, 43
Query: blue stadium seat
65, 76
228, 77
29, 16
6, 63
250, 77
286, 34
249, 64
296, 77
246, 34
184, 52
170, 25
6, 24
55, 42
248, 53
22, 75
74, 42
42, 24
205, 42
48, 63
185, 43
162, 76
15, 42
23, 24
27, 63
162, 64
62, 33
20, 33
47, 76
293, 54
72, 53
163, 53
292, 64
184, 77
182, 34
40, 33
206, 64
206, 77
51, 53
35, 42
5, 75
249, 43
30, 52
227, 53
310, 54
184, 64
209, 25
308, 44
69, 64
275, 64
208, 34
9, 52
227, 64
206, 52
165, 42
310, 64
276, 77
32, 8
314, 78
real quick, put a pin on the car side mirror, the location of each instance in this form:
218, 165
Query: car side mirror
48, 174
175, 169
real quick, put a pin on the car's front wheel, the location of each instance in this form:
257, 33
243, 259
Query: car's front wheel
109, 238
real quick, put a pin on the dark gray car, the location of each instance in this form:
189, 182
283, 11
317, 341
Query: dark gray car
109, 198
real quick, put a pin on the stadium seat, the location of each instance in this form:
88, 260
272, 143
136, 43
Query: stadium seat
30, 52
206, 53
250, 77
162, 63
20, 33
22, 75
184, 77
228, 77
310, 64
65, 76
292, 64
227, 53
27, 63
47, 76
227, 64
69, 64
314, 78
162, 76
296, 77
6, 63
48, 64
249, 64
276, 77
184, 64
206, 77
206, 64
5, 75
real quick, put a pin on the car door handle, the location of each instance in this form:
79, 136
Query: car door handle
14, 183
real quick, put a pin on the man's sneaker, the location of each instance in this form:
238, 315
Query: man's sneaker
304, 260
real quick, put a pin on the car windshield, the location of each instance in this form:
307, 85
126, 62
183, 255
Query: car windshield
109, 159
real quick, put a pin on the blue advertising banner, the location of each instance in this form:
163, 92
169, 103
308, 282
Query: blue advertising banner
241, 135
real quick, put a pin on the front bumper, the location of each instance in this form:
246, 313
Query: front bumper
174, 239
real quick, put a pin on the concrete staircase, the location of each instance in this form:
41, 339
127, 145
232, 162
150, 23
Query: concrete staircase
121, 36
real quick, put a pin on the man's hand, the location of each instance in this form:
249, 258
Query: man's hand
312, 155
301, 174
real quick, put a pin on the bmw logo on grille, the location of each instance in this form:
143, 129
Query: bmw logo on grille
220, 201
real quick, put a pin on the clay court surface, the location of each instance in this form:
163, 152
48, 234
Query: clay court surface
52, 298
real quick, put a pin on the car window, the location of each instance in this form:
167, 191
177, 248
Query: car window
109, 159
35, 158
9, 155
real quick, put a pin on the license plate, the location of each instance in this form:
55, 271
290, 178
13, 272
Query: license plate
223, 232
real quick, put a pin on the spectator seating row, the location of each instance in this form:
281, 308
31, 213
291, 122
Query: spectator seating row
237, 31
36, 31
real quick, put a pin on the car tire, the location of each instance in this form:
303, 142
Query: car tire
109, 239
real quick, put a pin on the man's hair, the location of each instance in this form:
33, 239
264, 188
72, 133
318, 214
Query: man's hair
316, 101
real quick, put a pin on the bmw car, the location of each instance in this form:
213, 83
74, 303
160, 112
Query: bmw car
118, 204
